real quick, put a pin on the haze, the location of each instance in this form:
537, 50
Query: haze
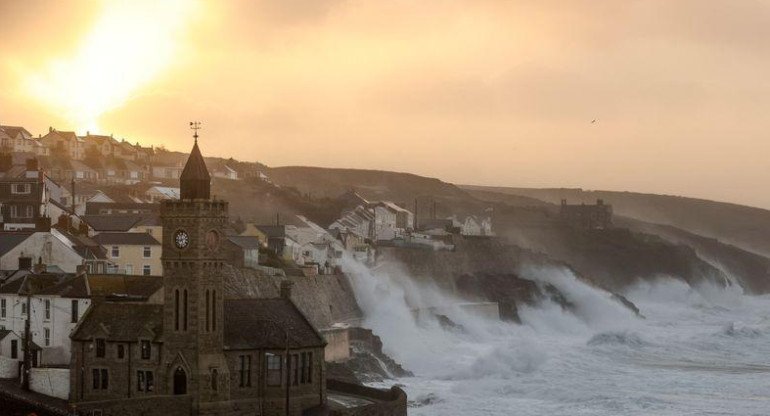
482, 92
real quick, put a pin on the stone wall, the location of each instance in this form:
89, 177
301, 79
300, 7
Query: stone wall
156, 405
53, 382
388, 402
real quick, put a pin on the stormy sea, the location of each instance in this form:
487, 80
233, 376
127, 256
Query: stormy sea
694, 351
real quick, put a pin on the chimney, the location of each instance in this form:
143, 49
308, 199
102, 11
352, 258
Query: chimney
40, 268
25, 263
42, 224
286, 289
50, 129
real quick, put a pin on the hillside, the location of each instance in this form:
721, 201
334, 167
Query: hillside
742, 226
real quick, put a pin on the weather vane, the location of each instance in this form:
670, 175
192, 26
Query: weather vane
195, 126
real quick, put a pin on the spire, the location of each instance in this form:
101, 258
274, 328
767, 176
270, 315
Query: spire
195, 182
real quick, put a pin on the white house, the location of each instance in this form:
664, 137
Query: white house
51, 248
475, 225
225, 172
159, 193
55, 310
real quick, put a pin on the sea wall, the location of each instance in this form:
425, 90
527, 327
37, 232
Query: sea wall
386, 402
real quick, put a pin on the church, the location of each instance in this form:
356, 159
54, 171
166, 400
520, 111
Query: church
199, 353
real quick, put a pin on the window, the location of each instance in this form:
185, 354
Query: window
29, 212
208, 311
146, 350
101, 378
214, 379
147, 270
307, 362
273, 369
101, 347
115, 252
294, 366
47, 334
14, 349
129, 268
176, 309
21, 188
47, 309
184, 311
2, 308
121, 351
244, 367
214, 311
147, 252
23, 308
145, 381
74, 311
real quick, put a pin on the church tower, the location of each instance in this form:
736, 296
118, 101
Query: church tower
193, 287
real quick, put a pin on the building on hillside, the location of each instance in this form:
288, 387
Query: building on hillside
223, 171
589, 217
131, 253
243, 251
477, 226
391, 221
198, 353
102, 145
359, 221
22, 197
64, 143
17, 139
121, 208
12, 353
166, 172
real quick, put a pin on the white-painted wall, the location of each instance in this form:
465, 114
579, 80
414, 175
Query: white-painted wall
45, 246
53, 382
9, 368
60, 325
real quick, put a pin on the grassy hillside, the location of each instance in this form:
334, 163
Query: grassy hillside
742, 226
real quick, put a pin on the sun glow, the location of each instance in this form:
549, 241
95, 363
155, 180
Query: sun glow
130, 44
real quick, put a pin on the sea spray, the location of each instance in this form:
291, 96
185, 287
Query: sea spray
684, 359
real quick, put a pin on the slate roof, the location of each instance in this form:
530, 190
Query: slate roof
70, 287
4, 333
260, 323
245, 242
13, 131
124, 285
102, 223
8, 241
272, 231
135, 239
123, 322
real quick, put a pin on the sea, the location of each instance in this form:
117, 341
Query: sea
701, 350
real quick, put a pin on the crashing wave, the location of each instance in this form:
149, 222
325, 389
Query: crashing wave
631, 339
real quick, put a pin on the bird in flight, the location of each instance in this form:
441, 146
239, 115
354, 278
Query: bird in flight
593, 121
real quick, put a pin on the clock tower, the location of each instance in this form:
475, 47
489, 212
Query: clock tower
193, 287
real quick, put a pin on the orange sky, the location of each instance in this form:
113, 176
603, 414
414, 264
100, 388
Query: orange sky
470, 91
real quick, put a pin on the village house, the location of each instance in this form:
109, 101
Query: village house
64, 143
18, 140
243, 251
221, 170
54, 247
477, 226
199, 352
158, 193
22, 196
131, 253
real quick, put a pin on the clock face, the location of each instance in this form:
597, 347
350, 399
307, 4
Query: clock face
181, 239
212, 240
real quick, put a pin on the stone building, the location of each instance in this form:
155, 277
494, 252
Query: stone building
590, 217
198, 353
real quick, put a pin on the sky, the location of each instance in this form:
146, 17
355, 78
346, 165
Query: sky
656, 96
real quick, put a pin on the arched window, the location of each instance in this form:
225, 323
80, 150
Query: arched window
214, 311
214, 377
176, 309
184, 310
208, 314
